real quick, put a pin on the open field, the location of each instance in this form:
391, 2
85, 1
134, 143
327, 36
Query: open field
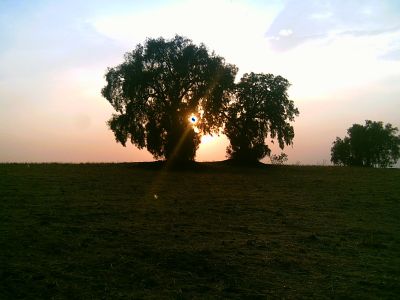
120, 231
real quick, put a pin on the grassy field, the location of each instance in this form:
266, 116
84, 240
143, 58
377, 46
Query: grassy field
133, 231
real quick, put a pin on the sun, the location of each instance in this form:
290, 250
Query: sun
193, 119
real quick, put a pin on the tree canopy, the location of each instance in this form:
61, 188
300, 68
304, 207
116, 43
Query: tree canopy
159, 86
371, 145
260, 107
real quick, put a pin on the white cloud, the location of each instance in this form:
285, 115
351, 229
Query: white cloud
313, 19
285, 32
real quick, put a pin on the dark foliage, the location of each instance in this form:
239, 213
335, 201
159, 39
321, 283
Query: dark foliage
279, 159
372, 145
260, 108
158, 87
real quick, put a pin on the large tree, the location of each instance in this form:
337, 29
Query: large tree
371, 145
259, 110
159, 86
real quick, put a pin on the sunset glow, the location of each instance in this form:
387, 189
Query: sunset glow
206, 139
341, 57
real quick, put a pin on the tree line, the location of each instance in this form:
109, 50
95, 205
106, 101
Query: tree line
168, 93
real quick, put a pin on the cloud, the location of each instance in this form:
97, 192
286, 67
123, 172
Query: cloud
285, 32
392, 55
314, 19
49, 38
392, 52
234, 29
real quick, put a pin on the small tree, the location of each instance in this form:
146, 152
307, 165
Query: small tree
157, 88
372, 145
340, 152
260, 108
279, 159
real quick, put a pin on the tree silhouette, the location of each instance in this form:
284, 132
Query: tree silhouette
156, 90
279, 159
372, 145
260, 107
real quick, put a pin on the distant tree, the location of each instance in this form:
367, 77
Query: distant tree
340, 152
279, 159
260, 108
156, 89
372, 145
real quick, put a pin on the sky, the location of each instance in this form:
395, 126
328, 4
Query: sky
342, 58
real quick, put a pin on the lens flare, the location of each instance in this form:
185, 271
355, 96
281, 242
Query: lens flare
193, 119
